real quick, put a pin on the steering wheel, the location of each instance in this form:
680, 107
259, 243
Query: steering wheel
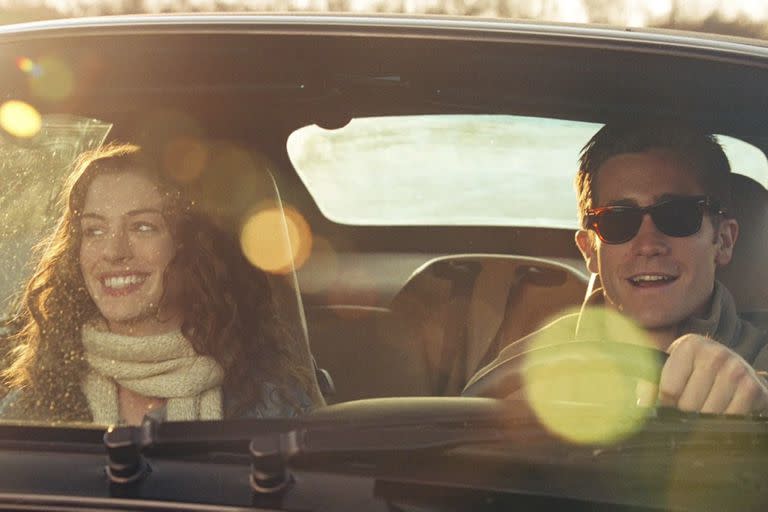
506, 376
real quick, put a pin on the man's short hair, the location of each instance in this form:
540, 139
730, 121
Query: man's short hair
692, 145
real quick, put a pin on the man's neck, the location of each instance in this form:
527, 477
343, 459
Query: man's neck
662, 338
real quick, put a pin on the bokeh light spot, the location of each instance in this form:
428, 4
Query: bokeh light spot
302, 244
185, 158
53, 81
20, 119
275, 241
28, 66
581, 391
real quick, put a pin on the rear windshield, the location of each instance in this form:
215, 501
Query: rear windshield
457, 169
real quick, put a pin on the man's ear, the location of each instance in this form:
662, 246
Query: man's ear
727, 233
586, 243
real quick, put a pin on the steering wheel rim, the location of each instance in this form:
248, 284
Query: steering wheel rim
506, 376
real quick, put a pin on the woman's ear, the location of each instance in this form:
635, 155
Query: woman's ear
727, 233
585, 241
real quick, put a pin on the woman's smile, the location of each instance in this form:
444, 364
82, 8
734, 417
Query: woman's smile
126, 248
122, 284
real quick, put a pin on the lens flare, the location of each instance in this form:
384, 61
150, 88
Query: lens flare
28, 66
302, 244
54, 79
583, 392
234, 182
275, 241
20, 119
184, 159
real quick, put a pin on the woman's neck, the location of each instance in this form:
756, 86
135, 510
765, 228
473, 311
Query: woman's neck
133, 406
146, 326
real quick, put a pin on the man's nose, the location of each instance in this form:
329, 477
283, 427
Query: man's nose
649, 241
118, 246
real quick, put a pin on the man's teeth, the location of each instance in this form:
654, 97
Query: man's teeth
123, 281
651, 278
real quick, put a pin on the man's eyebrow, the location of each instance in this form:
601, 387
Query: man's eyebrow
656, 199
666, 197
131, 213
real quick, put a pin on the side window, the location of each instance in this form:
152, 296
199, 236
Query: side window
30, 164
746, 159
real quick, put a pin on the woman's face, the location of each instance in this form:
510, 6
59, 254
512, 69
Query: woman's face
125, 249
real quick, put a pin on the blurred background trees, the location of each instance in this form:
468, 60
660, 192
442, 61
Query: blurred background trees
733, 17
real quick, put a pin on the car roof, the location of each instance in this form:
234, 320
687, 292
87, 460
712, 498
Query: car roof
332, 67
327, 21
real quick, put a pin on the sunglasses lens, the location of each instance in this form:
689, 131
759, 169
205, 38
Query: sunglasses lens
616, 227
679, 217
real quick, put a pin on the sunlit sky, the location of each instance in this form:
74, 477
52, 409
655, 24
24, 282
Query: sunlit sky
621, 12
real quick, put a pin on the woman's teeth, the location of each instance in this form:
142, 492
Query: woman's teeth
123, 281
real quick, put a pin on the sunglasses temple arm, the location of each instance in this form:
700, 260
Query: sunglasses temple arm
587, 295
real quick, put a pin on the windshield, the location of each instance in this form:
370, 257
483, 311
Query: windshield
266, 253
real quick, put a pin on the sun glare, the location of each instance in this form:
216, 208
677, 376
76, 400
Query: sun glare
581, 391
274, 241
53, 80
20, 119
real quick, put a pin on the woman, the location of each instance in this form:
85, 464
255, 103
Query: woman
141, 305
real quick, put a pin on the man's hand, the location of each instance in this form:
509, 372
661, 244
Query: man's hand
706, 376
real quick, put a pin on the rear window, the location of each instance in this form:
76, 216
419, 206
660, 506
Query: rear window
457, 169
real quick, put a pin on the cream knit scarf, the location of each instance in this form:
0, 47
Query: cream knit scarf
164, 366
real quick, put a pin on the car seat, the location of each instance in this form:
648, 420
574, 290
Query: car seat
460, 311
747, 275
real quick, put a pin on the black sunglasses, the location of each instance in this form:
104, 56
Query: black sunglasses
678, 217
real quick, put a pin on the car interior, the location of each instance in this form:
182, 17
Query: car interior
409, 310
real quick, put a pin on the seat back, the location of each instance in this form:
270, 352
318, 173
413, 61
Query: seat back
461, 310
746, 277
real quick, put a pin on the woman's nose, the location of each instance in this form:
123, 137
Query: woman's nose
118, 246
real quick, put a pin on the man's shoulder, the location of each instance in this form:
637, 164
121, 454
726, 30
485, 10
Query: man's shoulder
755, 325
757, 318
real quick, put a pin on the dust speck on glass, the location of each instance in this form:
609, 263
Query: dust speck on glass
32, 171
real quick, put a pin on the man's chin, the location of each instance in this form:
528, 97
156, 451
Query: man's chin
655, 320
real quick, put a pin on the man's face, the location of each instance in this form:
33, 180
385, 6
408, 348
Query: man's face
655, 279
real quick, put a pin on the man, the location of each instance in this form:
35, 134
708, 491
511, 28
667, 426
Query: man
653, 204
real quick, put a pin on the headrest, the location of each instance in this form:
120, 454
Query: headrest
746, 277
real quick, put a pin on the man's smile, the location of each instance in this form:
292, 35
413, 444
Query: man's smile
651, 279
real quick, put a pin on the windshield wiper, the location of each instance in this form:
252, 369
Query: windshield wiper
272, 443
380, 438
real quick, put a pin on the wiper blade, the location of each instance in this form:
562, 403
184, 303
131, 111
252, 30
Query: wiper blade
427, 424
380, 434
127, 445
